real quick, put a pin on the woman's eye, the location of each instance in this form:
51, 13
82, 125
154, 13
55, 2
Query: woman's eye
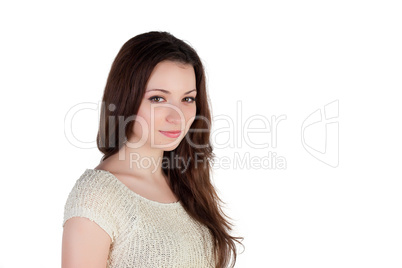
155, 99
152, 99
191, 98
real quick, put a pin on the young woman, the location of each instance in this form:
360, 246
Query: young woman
150, 201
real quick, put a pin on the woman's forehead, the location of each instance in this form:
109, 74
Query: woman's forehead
172, 77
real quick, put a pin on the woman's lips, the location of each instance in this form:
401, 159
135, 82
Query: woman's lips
171, 134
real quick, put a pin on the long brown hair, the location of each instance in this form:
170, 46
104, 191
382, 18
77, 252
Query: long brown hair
122, 97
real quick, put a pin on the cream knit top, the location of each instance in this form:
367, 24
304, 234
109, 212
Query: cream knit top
144, 233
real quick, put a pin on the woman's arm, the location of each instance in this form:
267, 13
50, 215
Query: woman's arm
84, 244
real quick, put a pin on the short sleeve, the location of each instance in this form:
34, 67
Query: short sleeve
92, 198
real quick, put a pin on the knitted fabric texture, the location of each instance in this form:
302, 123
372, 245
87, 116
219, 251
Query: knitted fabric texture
144, 233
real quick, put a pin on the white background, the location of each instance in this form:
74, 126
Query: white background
278, 58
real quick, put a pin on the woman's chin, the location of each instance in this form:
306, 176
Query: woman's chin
167, 146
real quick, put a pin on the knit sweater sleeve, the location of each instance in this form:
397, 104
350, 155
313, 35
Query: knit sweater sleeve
93, 197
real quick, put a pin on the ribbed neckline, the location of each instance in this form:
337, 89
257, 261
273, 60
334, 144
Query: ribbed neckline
111, 175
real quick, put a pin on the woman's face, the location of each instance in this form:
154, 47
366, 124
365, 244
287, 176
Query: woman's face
168, 105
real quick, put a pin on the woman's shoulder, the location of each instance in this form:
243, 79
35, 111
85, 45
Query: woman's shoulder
93, 177
97, 184
93, 196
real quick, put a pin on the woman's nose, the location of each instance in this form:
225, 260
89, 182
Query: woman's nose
174, 115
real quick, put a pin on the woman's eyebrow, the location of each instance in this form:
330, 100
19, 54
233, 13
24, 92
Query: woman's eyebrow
166, 91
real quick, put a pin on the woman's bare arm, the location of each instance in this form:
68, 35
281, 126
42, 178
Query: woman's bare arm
84, 244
